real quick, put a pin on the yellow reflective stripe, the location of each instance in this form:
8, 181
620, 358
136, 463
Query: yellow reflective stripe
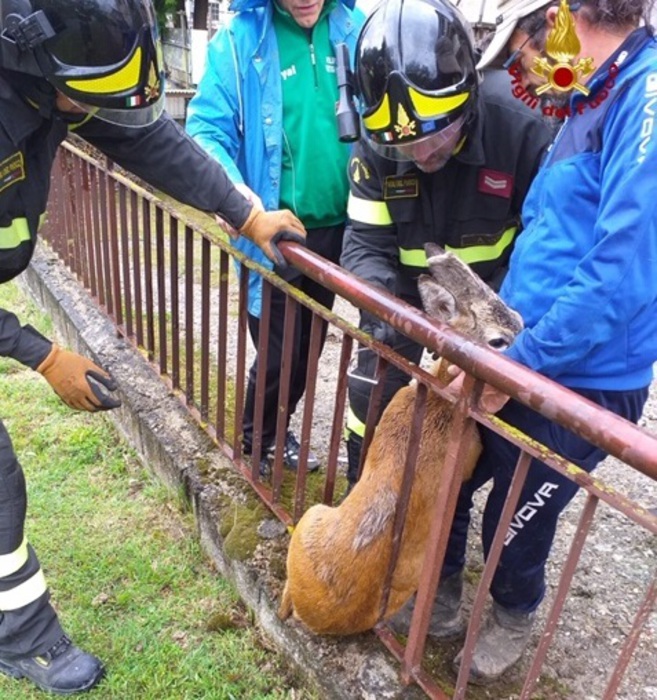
484, 253
381, 117
13, 235
125, 78
12, 562
367, 211
473, 254
23, 594
428, 106
354, 424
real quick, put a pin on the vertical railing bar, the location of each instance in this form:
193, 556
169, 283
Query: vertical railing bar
404, 497
161, 292
87, 253
291, 313
137, 268
373, 409
222, 345
314, 351
458, 452
205, 330
189, 316
261, 378
338, 419
632, 640
114, 254
517, 482
79, 222
174, 273
241, 363
585, 522
126, 287
105, 229
148, 280
98, 234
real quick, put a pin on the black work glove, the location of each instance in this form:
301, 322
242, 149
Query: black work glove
378, 329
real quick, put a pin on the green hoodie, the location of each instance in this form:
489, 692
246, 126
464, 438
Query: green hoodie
314, 181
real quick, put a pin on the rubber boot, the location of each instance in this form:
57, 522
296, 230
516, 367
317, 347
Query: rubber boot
447, 622
502, 641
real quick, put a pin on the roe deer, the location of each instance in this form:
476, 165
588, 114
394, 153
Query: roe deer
338, 557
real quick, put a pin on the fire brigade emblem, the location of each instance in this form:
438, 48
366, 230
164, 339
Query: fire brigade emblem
562, 46
404, 127
152, 90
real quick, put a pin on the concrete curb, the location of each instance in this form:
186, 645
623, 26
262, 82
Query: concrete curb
173, 447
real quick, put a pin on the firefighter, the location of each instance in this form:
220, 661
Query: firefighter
95, 67
446, 157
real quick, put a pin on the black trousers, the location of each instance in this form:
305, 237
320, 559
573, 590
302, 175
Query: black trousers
326, 242
28, 623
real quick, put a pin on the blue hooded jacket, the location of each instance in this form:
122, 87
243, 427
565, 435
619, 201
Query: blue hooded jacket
583, 274
236, 114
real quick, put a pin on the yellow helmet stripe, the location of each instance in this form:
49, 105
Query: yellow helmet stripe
381, 117
426, 106
123, 79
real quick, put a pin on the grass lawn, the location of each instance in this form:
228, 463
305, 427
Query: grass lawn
123, 561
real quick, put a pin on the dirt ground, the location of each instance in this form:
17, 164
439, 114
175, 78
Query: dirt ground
618, 563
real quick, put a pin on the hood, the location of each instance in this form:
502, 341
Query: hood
242, 5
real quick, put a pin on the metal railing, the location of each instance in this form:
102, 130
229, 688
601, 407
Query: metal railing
169, 286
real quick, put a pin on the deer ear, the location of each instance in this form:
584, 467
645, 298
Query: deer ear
437, 301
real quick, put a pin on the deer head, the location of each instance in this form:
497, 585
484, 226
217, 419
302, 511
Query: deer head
454, 294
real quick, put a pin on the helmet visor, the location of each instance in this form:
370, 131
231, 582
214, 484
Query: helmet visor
430, 152
127, 117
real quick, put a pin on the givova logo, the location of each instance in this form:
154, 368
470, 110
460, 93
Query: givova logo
648, 123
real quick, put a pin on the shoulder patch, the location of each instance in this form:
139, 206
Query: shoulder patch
12, 170
495, 182
359, 171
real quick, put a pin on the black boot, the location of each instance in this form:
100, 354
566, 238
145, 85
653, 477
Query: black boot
63, 669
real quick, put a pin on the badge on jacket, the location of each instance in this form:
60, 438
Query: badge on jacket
12, 170
495, 182
401, 187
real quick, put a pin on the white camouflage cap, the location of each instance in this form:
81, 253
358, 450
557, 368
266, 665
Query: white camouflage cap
510, 11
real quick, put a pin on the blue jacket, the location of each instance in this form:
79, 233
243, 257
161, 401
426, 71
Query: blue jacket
236, 114
583, 274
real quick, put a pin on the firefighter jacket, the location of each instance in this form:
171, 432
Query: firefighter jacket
471, 207
160, 153
591, 230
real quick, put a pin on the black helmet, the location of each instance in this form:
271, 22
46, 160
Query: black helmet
415, 72
105, 55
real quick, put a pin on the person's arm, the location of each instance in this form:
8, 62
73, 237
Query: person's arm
616, 278
370, 242
370, 245
215, 114
79, 382
163, 155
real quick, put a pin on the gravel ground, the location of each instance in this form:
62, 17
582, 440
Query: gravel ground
617, 566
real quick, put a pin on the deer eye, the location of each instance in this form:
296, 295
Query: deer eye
498, 343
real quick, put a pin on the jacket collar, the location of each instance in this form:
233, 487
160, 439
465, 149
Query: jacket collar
18, 118
242, 5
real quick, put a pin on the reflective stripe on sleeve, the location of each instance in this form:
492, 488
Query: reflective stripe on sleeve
354, 424
12, 236
12, 562
470, 255
368, 212
23, 594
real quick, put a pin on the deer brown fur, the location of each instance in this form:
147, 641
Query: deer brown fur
338, 557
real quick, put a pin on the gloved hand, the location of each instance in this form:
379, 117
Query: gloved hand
77, 381
378, 329
267, 228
